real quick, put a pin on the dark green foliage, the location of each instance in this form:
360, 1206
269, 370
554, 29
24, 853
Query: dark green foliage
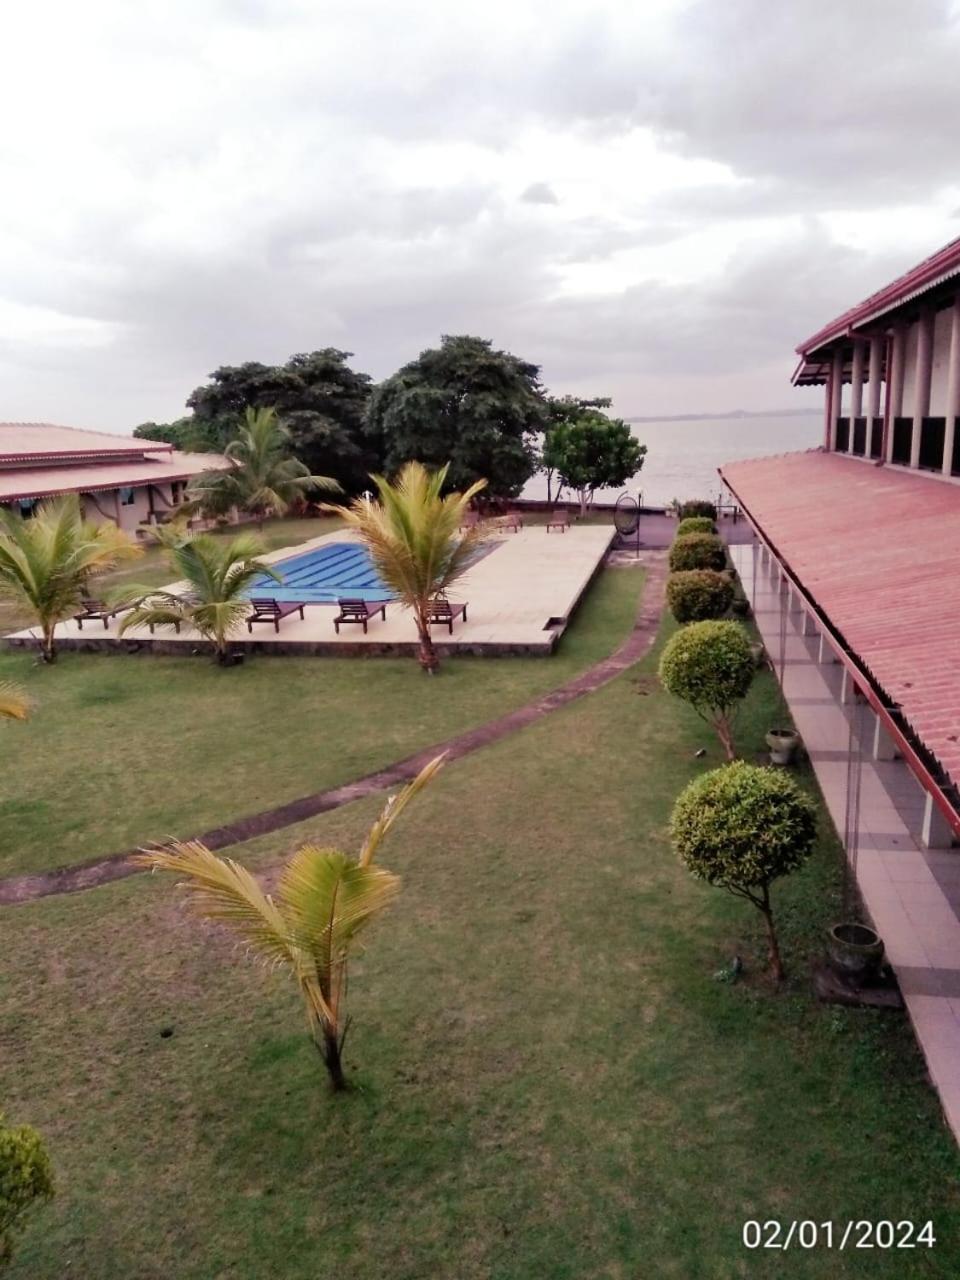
695, 524
320, 400
697, 507
467, 404
591, 451
26, 1179
697, 551
709, 665
561, 410
696, 594
743, 825
191, 434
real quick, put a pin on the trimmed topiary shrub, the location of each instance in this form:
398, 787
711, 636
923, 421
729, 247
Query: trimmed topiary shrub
709, 665
697, 551
742, 827
696, 594
697, 508
696, 524
26, 1178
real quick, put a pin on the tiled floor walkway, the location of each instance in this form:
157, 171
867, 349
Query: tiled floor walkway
911, 893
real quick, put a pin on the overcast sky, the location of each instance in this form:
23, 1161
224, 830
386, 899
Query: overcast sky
655, 200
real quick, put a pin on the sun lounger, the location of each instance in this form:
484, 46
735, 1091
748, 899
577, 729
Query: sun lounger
512, 520
559, 520
358, 611
443, 613
96, 610
471, 520
266, 609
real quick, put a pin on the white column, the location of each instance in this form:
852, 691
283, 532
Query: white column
825, 652
936, 832
921, 392
874, 385
847, 686
856, 384
953, 385
895, 383
883, 744
808, 627
836, 394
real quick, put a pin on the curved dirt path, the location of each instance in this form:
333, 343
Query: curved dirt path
116, 866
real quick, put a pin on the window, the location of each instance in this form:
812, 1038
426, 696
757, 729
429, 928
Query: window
126, 497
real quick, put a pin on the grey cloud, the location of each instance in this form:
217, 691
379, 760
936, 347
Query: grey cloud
539, 193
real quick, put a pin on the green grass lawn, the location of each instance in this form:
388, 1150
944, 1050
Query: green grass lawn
126, 749
551, 1082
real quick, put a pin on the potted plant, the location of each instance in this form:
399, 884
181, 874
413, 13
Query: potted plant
855, 952
782, 744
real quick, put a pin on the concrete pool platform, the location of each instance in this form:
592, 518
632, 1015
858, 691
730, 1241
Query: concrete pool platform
521, 598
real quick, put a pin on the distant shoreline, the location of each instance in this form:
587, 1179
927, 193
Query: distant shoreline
732, 413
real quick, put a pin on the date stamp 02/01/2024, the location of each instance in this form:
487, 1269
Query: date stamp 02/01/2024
862, 1233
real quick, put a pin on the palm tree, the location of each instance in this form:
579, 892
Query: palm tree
216, 575
14, 703
264, 478
324, 900
413, 536
48, 562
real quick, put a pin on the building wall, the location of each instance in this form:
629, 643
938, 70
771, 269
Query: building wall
941, 356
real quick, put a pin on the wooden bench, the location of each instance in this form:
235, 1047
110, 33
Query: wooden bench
443, 613
267, 609
358, 611
471, 520
512, 520
96, 610
559, 520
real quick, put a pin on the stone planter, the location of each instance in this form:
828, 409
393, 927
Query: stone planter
782, 744
855, 952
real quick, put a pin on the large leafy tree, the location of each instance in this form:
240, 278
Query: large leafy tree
191, 434
590, 451
320, 399
325, 900
48, 563
564, 410
413, 535
263, 477
466, 406
216, 578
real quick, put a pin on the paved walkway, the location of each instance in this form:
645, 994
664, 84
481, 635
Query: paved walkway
117, 866
911, 893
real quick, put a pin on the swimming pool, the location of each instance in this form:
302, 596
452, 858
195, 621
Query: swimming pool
320, 575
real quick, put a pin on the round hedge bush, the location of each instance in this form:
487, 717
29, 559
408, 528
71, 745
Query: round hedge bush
697, 508
696, 524
697, 551
696, 594
743, 825
709, 665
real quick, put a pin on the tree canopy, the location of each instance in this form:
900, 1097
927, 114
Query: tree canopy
466, 404
589, 451
193, 435
320, 400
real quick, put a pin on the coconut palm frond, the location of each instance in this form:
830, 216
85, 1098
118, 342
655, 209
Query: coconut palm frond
49, 561
413, 536
262, 478
327, 899
222, 890
395, 806
14, 703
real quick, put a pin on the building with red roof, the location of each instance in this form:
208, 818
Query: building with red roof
119, 478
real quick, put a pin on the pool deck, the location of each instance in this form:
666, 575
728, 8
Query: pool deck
521, 598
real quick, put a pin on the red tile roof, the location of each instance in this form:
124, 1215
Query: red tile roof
940, 266
26, 441
877, 549
44, 481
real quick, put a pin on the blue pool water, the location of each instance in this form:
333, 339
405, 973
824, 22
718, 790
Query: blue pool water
322, 574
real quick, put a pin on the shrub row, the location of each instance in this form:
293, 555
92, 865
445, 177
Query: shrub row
697, 508
697, 551
696, 524
696, 594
